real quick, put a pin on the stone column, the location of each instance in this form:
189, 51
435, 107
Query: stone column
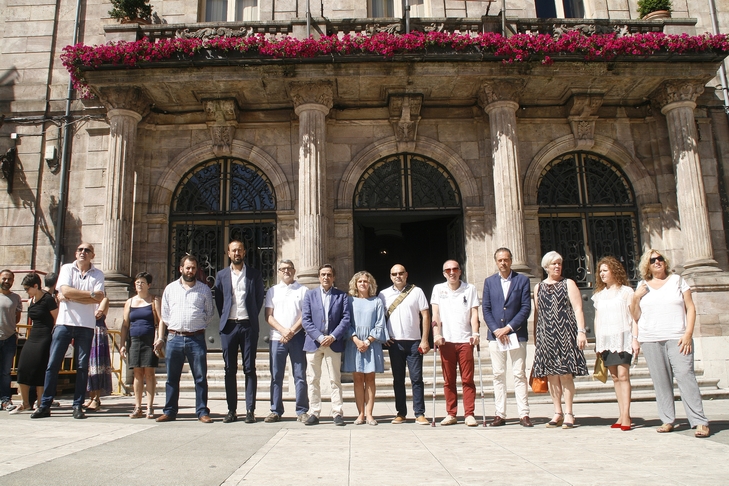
498, 100
312, 102
125, 109
677, 100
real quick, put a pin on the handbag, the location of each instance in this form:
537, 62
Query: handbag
600, 372
539, 384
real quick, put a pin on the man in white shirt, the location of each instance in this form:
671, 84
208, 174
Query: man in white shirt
405, 306
81, 287
455, 333
283, 314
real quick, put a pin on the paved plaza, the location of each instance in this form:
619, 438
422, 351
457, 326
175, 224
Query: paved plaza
111, 449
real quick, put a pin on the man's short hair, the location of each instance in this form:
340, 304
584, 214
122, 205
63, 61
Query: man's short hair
503, 249
188, 258
286, 261
237, 241
326, 265
50, 279
6, 270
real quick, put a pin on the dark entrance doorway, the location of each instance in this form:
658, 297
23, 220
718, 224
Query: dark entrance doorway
408, 211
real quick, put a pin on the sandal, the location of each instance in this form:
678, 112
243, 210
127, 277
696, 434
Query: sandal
569, 425
94, 404
150, 412
21, 408
701, 431
665, 428
137, 413
554, 424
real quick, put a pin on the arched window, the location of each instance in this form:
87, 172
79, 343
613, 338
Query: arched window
220, 200
587, 210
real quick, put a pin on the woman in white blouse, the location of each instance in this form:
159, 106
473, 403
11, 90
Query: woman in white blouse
615, 330
666, 315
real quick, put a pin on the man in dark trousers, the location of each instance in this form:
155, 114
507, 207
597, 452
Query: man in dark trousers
239, 297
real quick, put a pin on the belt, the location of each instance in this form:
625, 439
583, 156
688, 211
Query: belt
239, 321
184, 333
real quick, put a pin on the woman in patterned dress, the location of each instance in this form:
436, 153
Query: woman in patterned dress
99, 383
616, 331
559, 337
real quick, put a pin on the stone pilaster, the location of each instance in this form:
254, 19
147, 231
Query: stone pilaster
498, 100
312, 102
677, 100
125, 109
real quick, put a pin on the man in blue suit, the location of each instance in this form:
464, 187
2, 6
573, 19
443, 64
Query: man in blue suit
239, 297
506, 307
326, 314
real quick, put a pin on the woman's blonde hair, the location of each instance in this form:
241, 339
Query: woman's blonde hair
353, 284
645, 264
615, 267
550, 257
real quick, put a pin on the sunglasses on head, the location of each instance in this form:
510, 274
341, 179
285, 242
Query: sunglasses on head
659, 258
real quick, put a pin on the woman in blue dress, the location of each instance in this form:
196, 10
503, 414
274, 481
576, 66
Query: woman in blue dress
363, 355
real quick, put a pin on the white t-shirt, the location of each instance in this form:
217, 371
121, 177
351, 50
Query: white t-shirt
285, 300
455, 310
75, 313
404, 322
613, 322
662, 311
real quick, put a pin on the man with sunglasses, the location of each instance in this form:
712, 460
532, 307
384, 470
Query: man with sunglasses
455, 333
81, 289
283, 314
405, 306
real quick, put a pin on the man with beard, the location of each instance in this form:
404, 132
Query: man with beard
239, 297
187, 309
10, 309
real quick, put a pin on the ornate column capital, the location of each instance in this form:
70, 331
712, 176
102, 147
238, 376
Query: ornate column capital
684, 92
502, 90
222, 120
404, 118
317, 93
125, 98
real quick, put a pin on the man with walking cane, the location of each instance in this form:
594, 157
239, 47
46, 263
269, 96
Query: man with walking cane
455, 332
506, 308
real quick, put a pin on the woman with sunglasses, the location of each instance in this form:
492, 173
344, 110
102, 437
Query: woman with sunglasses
665, 312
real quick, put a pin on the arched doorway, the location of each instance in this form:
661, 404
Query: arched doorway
217, 201
408, 210
587, 210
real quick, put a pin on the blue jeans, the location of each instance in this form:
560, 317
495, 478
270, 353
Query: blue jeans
402, 352
62, 336
294, 349
7, 353
233, 336
195, 350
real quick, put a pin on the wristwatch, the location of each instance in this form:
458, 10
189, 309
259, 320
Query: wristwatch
92, 294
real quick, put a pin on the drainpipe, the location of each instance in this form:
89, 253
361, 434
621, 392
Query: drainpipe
503, 18
308, 19
406, 14
722, 68
65, 157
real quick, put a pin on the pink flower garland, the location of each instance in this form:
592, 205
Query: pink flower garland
517, 48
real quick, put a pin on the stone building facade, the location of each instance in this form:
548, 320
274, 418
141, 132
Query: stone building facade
367, 162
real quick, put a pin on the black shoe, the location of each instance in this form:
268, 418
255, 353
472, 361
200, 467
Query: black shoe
41, 412
78, 413
231, 417
250, 418
338, 421
312, 420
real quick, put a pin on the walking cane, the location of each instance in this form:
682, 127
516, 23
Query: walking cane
480, 378
435, 358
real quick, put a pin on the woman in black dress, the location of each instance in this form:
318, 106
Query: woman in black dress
42, 310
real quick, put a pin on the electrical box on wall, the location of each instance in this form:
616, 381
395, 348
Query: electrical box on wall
50, 152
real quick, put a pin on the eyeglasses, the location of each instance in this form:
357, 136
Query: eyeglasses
397, 274
84, 250
286, 269
26, 288
659, 258
451, 270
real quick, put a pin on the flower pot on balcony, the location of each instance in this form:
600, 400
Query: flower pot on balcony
657, 15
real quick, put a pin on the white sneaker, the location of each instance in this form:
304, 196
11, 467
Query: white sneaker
449, 420
471, 421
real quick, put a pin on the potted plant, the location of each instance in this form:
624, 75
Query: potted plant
654, 9
131, 11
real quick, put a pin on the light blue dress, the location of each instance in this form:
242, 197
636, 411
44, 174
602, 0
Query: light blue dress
368, 319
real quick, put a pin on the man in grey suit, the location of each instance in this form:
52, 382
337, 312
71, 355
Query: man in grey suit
325, 317
239, 297
506, 308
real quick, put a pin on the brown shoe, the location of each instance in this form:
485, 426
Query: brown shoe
398, 420
165, 418
498, 422
525, 421
206, 419
421, 420
702, 431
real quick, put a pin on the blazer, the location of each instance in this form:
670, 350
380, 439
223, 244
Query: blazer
514, 310
224, 295
312, 319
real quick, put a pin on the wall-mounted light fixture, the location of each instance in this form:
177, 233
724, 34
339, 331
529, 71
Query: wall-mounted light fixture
7, 167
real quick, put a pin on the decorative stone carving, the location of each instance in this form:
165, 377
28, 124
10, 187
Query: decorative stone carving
405, 116
502, 90
320, 93
222, 120
126, 98
674, 91
583, 109
590, 29
213, 32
